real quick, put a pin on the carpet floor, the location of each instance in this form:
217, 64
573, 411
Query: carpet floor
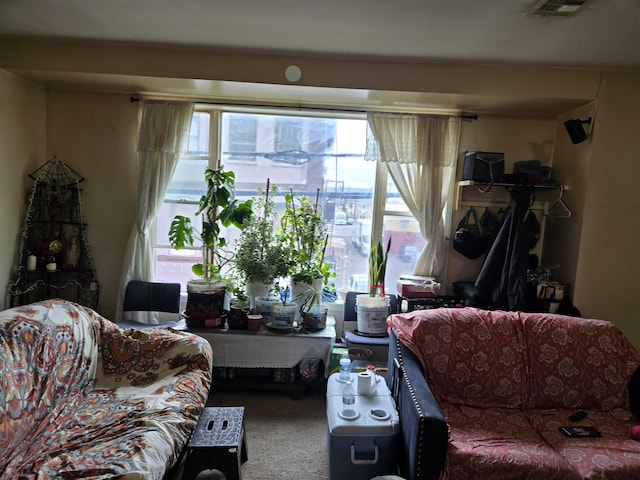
286, 438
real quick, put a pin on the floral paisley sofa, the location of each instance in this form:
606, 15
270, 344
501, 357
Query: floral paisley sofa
482, 395
80, 398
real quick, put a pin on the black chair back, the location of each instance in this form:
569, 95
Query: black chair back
141, 296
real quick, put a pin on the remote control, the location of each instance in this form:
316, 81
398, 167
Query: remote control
579, 415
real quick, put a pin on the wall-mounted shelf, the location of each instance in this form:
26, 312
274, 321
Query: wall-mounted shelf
498, 196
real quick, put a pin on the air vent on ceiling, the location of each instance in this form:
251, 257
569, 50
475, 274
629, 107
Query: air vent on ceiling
561, 8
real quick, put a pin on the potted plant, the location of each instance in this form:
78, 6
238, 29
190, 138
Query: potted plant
303, 233
260, 257
219, 208
372, 309
283, 313
238, 300
312, 311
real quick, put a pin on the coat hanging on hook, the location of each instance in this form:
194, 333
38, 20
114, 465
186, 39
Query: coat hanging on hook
532, 227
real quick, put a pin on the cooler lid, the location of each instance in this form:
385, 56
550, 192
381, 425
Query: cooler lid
376, 415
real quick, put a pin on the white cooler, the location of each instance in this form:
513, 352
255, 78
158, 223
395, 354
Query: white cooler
363, 447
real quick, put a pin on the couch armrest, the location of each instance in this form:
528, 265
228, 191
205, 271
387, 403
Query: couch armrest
425, 432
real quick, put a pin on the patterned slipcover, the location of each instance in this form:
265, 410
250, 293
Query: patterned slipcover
80, 398
505, 382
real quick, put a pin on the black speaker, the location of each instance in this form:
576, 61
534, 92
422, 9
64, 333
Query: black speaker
575, 130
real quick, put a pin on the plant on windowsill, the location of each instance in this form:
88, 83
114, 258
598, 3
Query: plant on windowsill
372, 308
378, 269
260, 257
219, 208
303, 233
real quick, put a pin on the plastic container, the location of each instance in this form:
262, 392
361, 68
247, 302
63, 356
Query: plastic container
345, 368
348, 401
371, 314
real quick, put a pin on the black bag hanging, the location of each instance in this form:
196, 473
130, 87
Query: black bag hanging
469, 239
490, 226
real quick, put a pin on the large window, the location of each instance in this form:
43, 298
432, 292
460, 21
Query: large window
313, 155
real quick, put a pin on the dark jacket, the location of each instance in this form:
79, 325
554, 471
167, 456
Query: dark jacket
503, 277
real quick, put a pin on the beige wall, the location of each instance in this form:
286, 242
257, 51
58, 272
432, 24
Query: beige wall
22, 140
606, 284
95, 134
519, 139
571, 163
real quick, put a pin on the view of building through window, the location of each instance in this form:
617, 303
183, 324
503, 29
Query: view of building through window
309, 155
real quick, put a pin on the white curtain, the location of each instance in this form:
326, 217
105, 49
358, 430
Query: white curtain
162, 133
420, 154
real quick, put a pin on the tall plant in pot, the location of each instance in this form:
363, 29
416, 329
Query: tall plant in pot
372, 309
219, 208
304, 234
260, 257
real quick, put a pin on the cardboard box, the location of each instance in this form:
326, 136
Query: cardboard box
416, 286
552, 291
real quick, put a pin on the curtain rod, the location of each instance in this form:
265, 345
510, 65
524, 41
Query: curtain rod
323, 109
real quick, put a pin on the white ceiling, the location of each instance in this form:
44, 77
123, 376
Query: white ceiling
603, 34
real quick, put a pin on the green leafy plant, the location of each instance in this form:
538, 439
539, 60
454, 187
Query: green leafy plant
235, 283
378, 268
303, 234
219, 208
260, 256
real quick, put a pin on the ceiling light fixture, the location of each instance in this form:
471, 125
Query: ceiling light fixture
557, 8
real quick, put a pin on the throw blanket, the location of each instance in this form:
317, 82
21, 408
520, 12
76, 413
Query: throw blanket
80, 398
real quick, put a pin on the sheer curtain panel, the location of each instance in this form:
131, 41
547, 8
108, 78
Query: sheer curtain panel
162, 133
420, 152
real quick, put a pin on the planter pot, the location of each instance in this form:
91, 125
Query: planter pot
300, 291
283, 315
263, 306
371, 314
237, 318
254, 322
256, 289
316, 318
205, 303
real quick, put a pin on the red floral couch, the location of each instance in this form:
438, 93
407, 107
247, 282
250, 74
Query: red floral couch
482, 395
80, 398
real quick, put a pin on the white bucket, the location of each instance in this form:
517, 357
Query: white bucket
372, 313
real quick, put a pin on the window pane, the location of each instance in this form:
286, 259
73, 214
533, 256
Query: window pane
312, 155
305, 154
406, 245
199, 134
241, 137
188, 182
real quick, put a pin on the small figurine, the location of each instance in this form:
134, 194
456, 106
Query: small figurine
72, 255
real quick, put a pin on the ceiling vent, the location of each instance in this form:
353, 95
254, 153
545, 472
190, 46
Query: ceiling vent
557, 8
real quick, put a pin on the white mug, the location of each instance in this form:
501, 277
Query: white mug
366, 383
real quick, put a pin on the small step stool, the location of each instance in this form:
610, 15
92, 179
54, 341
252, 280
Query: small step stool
218, 442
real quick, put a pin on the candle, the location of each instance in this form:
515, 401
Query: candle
31, 262
51, 267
